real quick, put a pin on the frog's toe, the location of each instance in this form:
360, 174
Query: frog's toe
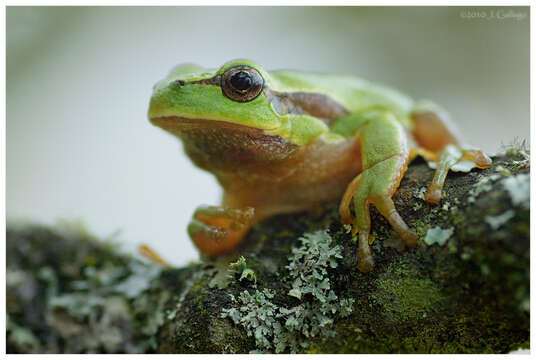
365, 260
410, 238
220, 215
386, 207
213, 240
366, 264
450, 157
480, 158
147, 252
433, 194
206, 238
216, 230
366, 189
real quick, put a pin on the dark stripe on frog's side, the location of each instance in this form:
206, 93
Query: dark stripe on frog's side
314, 104
318, 105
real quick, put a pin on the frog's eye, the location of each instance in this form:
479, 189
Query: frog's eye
242, 83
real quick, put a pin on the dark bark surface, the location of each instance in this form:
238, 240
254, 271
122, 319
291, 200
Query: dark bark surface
464, 289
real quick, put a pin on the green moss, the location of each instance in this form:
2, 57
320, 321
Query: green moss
516, 147
394, 242
420, 227
405, 296
240, 269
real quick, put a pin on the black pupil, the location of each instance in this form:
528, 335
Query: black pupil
241, 81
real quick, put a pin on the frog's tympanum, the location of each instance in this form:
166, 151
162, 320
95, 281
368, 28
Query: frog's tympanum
286, 141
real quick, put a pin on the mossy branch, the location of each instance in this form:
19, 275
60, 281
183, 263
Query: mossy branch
464, 289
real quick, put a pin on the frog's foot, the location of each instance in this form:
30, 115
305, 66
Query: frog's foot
448, 157
368, 188
438, 139
216, 230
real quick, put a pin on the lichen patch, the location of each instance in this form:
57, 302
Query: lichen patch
280, 329
519, 189
439, 236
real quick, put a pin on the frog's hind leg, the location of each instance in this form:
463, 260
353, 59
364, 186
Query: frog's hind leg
374, 190
385, 155
216, 230
437, 135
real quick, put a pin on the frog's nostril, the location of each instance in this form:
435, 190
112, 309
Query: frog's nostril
179, 83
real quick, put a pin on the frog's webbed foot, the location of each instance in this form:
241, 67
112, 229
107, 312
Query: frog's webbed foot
449, 157
216, 230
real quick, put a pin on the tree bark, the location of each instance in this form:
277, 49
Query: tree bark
464, 289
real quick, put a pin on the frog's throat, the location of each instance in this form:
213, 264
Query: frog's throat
219, 145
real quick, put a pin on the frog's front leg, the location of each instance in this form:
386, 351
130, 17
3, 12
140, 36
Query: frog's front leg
437, 135
216, 230
385, 155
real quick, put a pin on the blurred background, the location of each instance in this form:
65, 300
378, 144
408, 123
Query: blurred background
79, 145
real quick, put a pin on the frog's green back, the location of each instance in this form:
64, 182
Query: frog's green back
352, 92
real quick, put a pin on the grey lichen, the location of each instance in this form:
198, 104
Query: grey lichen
519, 189
139, 280
21, 336
420, 193
439, 236
282, 329
102, 301
517, 186
259, 316
485, 184
89, 303
308, 265
495, 222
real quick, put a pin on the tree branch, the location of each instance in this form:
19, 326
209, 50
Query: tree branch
464, 289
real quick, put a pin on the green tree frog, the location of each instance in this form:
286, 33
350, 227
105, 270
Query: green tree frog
286, 141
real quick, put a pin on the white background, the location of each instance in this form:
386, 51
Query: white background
79, 145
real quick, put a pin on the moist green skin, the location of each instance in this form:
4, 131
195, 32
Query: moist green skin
202, 101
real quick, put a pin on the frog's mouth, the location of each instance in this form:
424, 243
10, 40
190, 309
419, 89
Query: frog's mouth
214, 143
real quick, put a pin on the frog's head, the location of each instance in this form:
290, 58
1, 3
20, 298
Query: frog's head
236, 113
